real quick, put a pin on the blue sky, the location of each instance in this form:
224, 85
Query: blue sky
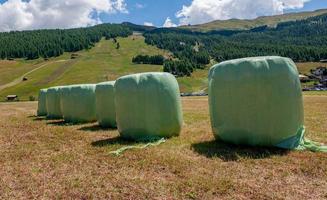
313, 5
157, 11
154, 11
39, 14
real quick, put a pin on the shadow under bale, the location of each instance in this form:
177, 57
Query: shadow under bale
230, 152
36, 118
59, 123
95, 128
113, 141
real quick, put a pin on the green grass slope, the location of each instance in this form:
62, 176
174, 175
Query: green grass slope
102, 63
240, 24
9, 70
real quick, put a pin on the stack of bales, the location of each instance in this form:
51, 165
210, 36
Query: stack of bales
42, 107
53, 103
257, 101
144, 106
78, 103
105, 104
148, 106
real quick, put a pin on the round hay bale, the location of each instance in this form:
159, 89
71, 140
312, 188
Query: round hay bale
42, 107
257, 101
148, 106
78, 103
53, 103
105, 104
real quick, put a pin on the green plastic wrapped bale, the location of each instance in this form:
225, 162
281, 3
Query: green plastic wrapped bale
78, 103
105, 104
42, 107
257, 101
148, 106
53, 103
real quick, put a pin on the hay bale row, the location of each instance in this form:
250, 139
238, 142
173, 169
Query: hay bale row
252, 101
143, 106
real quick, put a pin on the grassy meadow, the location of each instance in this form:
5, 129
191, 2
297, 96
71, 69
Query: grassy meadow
43, 159
10, 70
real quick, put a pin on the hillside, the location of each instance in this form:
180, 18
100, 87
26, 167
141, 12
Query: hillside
240, 24
101, 63
302, 40
49, 43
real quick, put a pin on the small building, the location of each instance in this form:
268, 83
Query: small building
74, 56
323, 61
12, 98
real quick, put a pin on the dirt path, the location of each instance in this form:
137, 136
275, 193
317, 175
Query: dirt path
20, 79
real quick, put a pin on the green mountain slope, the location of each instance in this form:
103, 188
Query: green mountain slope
101, 63
240, 24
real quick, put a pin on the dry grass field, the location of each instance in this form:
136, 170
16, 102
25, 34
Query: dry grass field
43, 159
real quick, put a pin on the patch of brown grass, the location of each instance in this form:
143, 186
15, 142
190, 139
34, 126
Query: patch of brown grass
50, 159
304, 68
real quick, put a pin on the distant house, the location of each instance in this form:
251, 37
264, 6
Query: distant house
323, 61
12, 98
74, 56
319, 71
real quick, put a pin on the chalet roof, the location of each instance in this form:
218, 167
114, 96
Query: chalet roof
12, 96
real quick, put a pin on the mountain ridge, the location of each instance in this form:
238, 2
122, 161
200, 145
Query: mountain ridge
247, 24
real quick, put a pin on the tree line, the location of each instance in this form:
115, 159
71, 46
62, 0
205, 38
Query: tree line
146, 59
52, 43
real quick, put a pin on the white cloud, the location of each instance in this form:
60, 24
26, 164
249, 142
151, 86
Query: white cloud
148, 24
201, 11
168, 23
139, 6
37, 14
